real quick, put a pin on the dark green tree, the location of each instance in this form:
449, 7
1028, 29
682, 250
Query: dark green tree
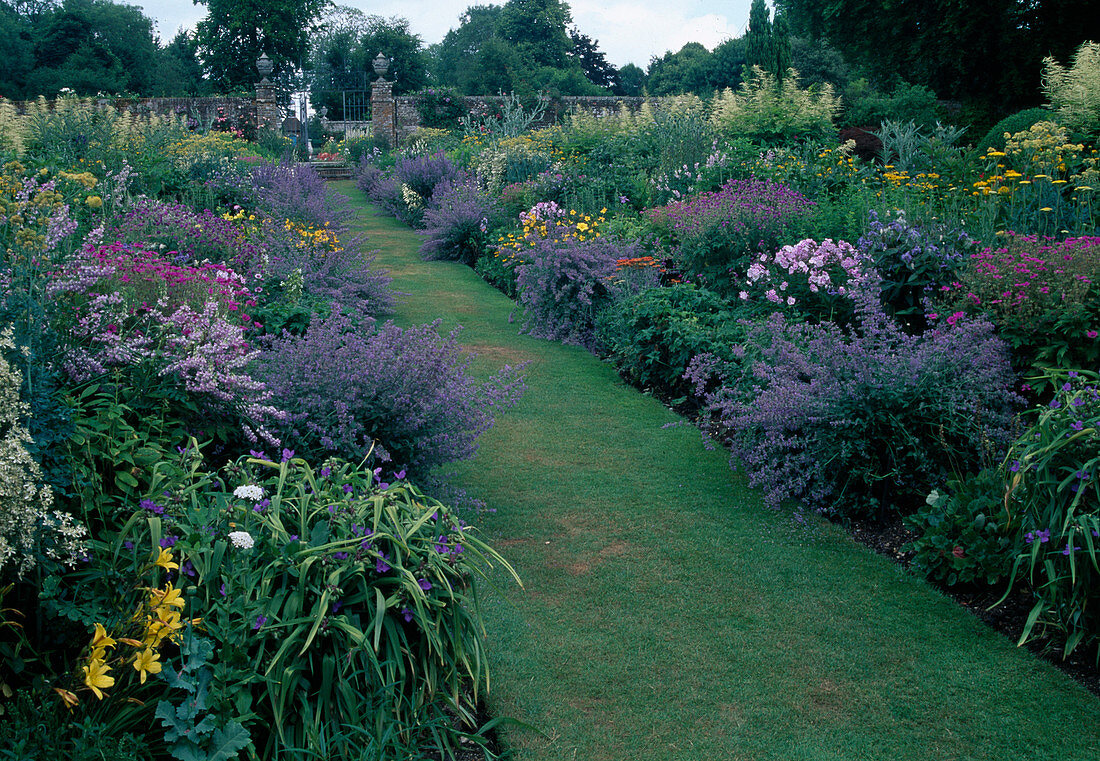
985, 52
235, 33
592, 60
539, 31
727, 63
759, 48
632, 81
781, 45
92, 46
17, 42
180, 71
690, 69
408, 61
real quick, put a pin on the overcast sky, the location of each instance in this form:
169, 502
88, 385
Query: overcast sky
627, 31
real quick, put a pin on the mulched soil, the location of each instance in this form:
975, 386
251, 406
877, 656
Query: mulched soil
1008, 617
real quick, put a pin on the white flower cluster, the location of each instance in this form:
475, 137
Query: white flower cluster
249, 491
29, 529
242, 540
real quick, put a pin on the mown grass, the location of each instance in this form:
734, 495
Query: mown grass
667, 614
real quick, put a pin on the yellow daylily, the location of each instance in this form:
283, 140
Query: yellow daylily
100, 640
164, 560
147, 662
95, 677
169, 596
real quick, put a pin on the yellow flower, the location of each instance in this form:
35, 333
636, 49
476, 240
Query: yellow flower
95, 677
147, 662
1046, 208
94, 202
169, 596
164, 560
100, 640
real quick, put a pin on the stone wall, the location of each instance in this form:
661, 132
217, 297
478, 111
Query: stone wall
407, 117
205, 110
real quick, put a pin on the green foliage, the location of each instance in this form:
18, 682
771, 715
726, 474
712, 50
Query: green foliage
966, 534
1074, 93
496, 270
191, 730
865, 106
234, 33
773, 112
440, 107
653, 335
33, 728
362, 593
1010, 125
1056, 491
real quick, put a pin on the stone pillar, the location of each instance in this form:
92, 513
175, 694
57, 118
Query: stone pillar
383, 112
268, 114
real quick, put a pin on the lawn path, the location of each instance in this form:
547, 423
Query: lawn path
666, 614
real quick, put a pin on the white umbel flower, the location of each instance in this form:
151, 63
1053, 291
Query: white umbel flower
241, 539
249, 491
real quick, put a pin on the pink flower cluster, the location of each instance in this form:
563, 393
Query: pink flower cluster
1029, 274
149, 279
806, 266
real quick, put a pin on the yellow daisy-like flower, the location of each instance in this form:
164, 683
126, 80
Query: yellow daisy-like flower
94, 202
147, 662
164, 560
96, 679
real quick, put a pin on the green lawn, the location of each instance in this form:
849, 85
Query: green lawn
667, 614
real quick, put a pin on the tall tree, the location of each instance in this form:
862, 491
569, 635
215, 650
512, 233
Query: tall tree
759, 50
235, 33
690, 69
781, 45
987, 52
538, 29
632, 80
592, 60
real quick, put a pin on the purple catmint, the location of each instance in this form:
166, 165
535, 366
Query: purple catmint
866, 419
457, 220
409, 389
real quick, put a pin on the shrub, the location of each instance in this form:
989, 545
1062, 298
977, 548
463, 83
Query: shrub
809, 279
652, 335
775, 112
966, 532
914, 264
177, 229
30, 529
719, 231
864, 106
1018, 122
863, 421
1043, 295
422, 173
297, 192
408, 389
457, 222
1055, 487
563, 284
1074, 93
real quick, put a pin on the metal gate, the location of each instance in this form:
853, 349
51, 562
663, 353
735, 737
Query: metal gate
343, 103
